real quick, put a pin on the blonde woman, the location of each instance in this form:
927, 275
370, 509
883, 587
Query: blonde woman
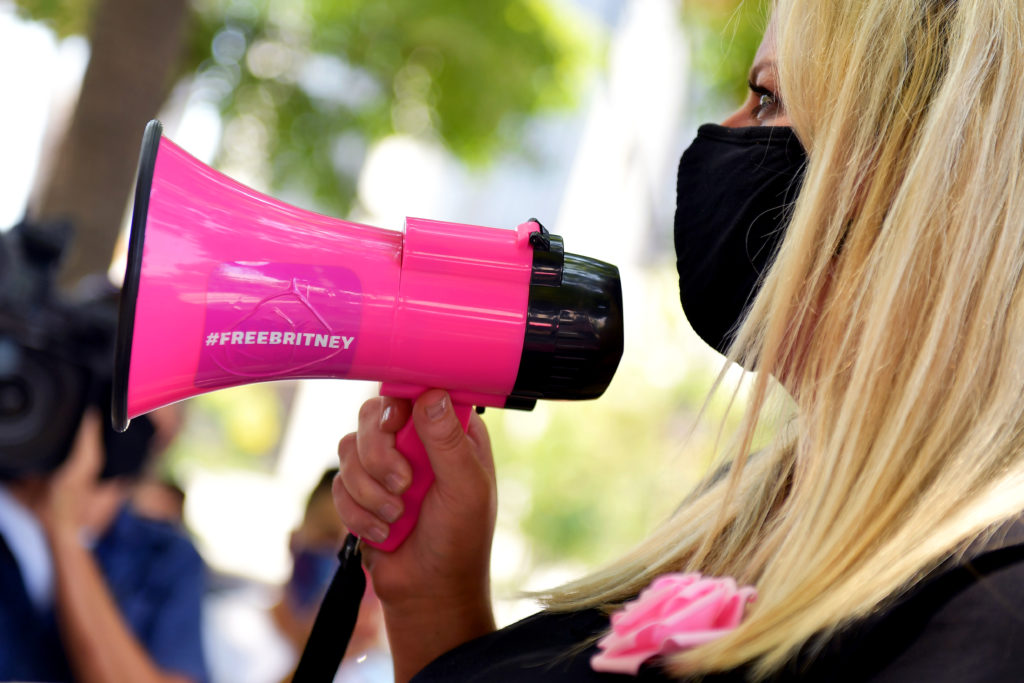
855, 233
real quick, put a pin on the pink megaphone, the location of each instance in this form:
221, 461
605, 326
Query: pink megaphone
226, 286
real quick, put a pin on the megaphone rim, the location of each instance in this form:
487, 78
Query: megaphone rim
133, 271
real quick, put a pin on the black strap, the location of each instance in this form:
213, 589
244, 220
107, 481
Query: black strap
335, 619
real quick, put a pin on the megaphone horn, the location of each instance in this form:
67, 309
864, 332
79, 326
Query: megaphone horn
227, 286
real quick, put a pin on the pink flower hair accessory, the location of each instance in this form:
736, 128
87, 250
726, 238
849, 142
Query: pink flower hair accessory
676, 612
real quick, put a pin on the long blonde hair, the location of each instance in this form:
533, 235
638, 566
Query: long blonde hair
906, 360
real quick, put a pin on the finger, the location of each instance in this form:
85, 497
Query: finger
363, 489
480, 437
386, 413
86, 457
357, 519
379, 419
452, 453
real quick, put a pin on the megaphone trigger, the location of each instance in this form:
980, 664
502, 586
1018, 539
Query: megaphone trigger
408, 443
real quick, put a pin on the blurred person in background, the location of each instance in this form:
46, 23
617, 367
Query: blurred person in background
855, 233
157, 496
88, 590
250, 642
91, 590
159, 499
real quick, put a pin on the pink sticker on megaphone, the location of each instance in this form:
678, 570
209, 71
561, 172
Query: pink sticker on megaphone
278, 320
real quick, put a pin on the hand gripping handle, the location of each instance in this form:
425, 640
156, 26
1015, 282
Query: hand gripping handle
408, 443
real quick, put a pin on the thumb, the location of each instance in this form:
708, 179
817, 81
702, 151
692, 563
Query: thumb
452, 454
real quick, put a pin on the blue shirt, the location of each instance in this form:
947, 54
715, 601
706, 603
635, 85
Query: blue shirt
156, 578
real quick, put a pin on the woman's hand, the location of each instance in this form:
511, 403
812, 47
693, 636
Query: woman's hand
435, 587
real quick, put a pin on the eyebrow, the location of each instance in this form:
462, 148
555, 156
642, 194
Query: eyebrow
756, 70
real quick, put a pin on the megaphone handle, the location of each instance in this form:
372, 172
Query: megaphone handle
408, 443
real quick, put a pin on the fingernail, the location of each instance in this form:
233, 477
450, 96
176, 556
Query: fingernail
390, 512
384, 416
395, 483
378, 534
436, 411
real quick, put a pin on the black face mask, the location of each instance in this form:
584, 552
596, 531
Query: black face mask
734, 194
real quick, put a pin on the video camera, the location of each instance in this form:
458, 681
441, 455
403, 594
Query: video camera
56, 355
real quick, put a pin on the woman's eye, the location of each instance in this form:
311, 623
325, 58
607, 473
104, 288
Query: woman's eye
767, 105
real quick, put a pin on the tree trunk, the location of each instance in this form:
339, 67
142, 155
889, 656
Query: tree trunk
135, 47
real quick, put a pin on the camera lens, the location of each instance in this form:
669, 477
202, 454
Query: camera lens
14, 398
41, 401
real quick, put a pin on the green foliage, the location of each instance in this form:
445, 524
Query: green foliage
305, 86
65, 17
725, 35
315, 82
237, 428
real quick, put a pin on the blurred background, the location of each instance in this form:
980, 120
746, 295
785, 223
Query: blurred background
573, 111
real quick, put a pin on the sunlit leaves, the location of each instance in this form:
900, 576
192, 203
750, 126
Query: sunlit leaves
323, 80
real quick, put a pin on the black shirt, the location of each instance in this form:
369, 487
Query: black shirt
964, 624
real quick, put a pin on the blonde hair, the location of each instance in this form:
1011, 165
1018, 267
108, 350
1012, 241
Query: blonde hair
907, 361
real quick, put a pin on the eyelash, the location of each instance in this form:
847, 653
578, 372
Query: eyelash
765, 93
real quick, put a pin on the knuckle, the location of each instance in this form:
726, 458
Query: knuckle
371, 445
338, 493
362, 488
355, 518
347, 463
377, 466
343, 502
369, 411
347, 445
369, 453
451, 437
